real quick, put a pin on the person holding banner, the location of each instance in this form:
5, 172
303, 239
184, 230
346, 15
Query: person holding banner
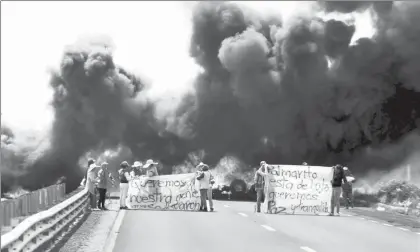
348, 188
336, 182
259, 180
124, 178
203, 177
151, 168
136, 169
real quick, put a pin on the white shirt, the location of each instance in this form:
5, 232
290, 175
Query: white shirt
204, 183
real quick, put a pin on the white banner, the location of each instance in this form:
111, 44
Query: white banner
296, 189
167, 192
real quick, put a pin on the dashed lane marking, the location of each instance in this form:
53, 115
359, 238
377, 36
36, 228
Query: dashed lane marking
268, 228
226, 205
242, 214
361, 218
388, 225
307, 249
373, 221
403, 229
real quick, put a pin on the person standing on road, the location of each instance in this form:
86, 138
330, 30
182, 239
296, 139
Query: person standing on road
124, 178
203, 177
336, 182
348, 188
259, 180
89, 163
91, 184
103, 177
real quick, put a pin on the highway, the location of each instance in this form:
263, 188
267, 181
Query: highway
235, 227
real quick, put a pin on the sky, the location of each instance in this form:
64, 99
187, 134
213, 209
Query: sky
151, 38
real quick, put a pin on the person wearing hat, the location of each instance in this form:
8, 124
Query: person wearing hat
336, 182
124, 178
348, 188
103, 176
204, 178
151, 168
136, 169
259, 180
90, 184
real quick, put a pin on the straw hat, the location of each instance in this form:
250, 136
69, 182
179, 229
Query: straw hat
137, 164
149, 163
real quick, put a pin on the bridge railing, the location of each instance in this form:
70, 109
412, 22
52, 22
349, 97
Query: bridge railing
30, 203
37, 232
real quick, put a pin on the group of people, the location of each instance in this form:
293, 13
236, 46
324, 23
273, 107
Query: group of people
98, 179
341, 185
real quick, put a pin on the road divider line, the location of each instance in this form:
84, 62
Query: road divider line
226, 205
403, 229
361, 218
373, 221
418, 233
388, 225
112, 237
268, 228
307, 249
242, 214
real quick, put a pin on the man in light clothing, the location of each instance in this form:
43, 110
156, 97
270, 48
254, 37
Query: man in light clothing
259, 180
103, 177
91, 184
203, 177
124, 178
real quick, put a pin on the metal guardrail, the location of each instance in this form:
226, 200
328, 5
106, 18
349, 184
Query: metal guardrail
30, 203
37, 232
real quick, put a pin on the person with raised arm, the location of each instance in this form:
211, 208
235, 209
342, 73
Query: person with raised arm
124, 175
259, 180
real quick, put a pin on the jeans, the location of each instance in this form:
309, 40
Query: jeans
260, 193
210, 197
203, 196
348, 197
335, 199
123, 194
92, 199
101, 201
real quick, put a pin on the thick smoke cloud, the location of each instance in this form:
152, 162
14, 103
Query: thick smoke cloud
282, 92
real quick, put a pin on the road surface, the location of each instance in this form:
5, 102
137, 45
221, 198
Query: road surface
235, 227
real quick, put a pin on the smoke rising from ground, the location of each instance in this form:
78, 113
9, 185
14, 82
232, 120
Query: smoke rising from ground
284, 93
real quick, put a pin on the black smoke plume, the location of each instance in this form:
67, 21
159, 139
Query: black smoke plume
280, 92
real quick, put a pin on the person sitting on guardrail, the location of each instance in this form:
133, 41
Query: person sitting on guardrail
203, 177
336, 182
259, 180
91, 184
124, 178
348, 188
103, 176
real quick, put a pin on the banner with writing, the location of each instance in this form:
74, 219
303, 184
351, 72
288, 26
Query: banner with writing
295, 189
167, 192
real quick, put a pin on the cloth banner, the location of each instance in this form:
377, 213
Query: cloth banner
298, 189
167, 192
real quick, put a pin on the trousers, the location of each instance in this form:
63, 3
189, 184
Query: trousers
123, 193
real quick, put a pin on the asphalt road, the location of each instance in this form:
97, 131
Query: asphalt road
235, 227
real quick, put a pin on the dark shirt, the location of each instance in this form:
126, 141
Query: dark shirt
338, 177
123, 179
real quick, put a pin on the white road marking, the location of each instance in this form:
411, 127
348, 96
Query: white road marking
112, 237
307, 249
373, 221
226, 205
361, 218
388, 225
418, 233
242, 214
268, 228
403, 229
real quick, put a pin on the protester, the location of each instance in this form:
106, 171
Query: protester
124, 178
259, 180
89, 163
336, 182
91, 181
210, 192
151, 168
136, 170
103, 177
203, 177
348, 188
